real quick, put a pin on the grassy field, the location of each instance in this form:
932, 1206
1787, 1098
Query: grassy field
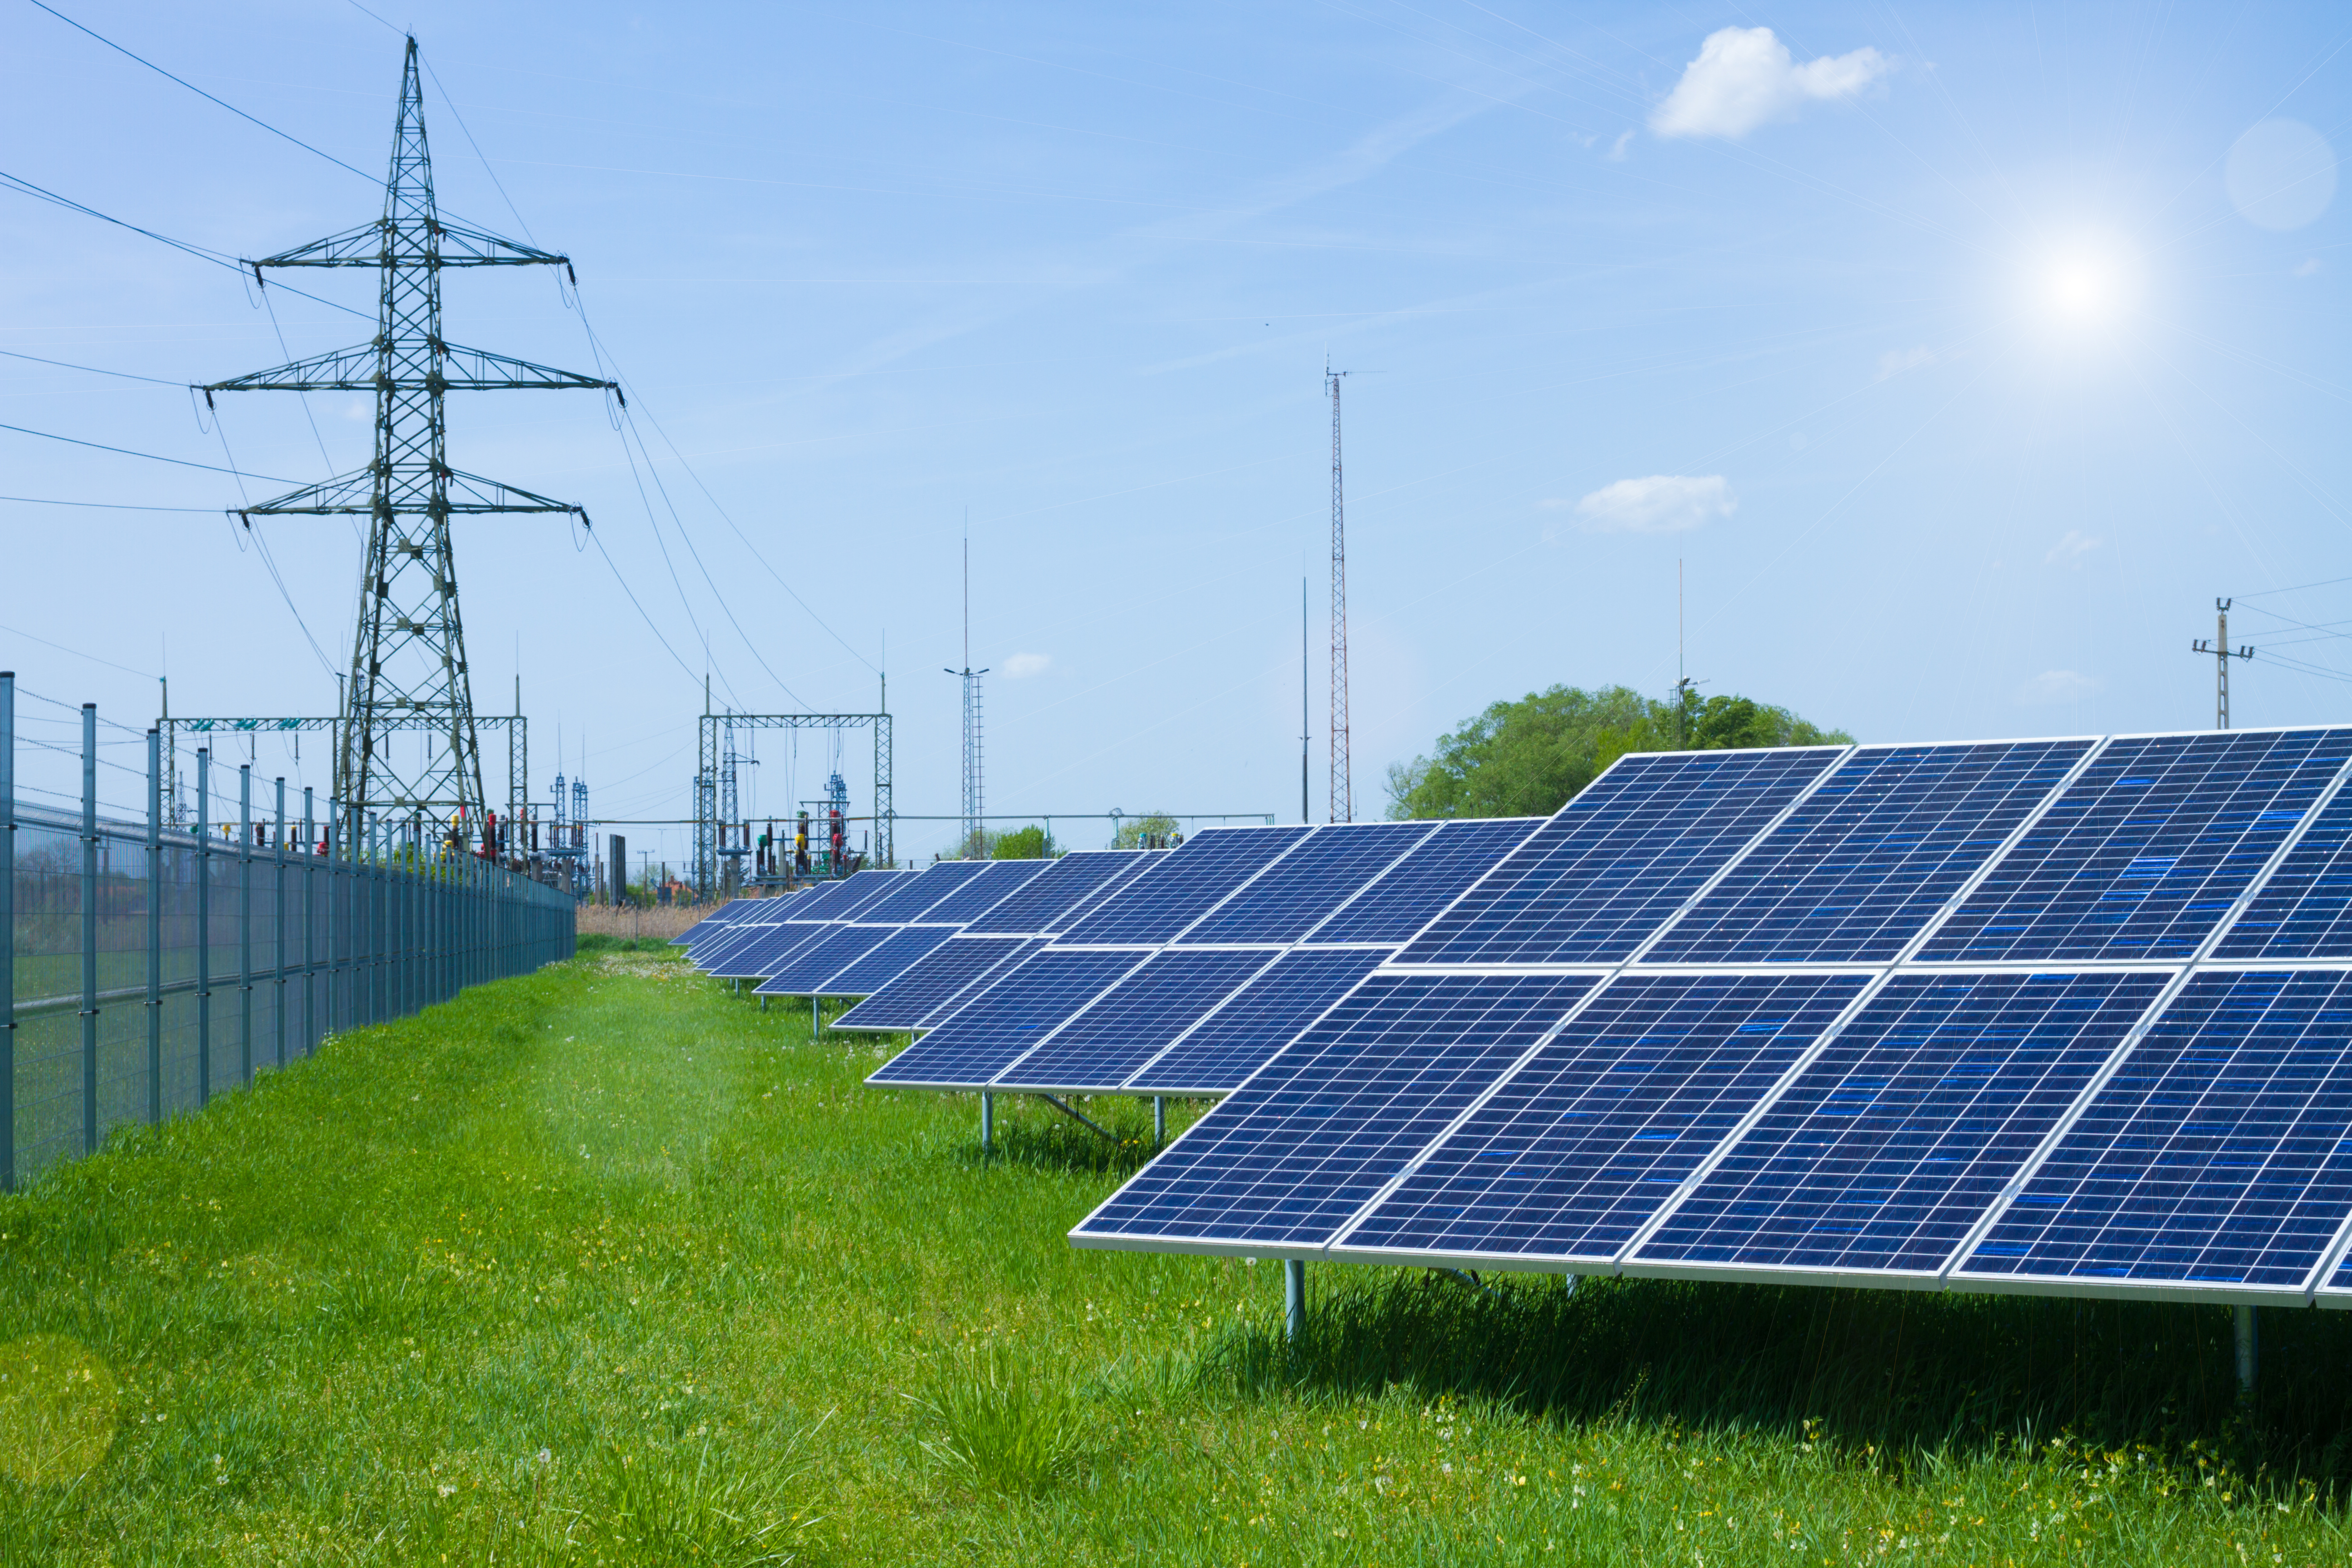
604, 1264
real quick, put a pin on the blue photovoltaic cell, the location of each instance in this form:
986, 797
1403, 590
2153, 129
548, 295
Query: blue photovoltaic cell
2304, 910
763, 948
725, 914
997, 1024
934, 981
1871, 856
1033, 908
2147, 849
1897, 1138
1258, 1020
1584, 1143
2217, 1155
916, 893
1416, 887
885, 963
1290, 1157
997, 882
1618, 858
1181, 885
802, 972
1316, 877
709, 939
1097, 1050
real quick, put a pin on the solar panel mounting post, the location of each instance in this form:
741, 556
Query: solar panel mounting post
987, 1121
2248, 1349
1294, 1299
1158, 1120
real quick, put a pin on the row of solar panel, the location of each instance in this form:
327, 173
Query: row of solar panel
2131, 1132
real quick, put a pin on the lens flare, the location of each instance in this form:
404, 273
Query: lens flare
2085, 285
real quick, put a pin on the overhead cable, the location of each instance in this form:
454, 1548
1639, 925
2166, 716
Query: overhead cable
151, 456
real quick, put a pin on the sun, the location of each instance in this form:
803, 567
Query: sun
2086, 284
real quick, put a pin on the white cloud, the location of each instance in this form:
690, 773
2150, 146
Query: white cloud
1662, 503
2070, 551
1617, 148
2307, 268
2059, 686
1021, 665
1894, 362
1743, 78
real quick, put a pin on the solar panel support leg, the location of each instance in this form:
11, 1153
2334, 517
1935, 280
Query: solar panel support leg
987, 1121
816, 1019
2249, 1351
1158, 1120
1567, 1284
1294, 1298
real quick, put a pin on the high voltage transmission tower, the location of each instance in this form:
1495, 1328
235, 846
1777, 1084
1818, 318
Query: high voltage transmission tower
1343, 793
408, 653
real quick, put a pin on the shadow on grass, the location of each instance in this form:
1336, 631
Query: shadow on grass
1908, 1372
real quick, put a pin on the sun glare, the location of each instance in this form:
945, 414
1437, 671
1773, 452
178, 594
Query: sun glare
2087, 285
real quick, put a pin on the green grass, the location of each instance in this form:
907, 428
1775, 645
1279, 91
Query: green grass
607, 1264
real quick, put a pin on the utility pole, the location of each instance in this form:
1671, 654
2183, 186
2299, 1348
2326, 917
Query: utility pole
408, 653
1304, 813
2223, 654
1343, 802
974, 843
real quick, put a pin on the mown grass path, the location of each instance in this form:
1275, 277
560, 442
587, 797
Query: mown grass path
607, 1264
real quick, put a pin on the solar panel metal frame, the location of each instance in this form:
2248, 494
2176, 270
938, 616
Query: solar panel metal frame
1012, 947
1952, 1274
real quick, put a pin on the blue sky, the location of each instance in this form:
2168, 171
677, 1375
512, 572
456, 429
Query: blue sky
1962, 355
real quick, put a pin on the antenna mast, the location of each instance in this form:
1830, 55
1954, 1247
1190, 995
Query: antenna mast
975, 842
1343, 802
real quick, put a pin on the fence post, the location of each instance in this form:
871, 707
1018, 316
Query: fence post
278, 947
375, 920
89, 927
154, 926
309, 890
334, 901
7, 931
245, 922
203, 926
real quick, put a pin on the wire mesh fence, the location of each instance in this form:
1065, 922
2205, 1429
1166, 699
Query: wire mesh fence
145, 968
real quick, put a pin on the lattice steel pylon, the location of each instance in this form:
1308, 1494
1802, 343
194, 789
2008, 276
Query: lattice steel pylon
975, 824
408, 653
1343, 792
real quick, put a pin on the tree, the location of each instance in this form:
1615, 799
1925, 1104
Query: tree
1153, 828
1530, 757
1028, 842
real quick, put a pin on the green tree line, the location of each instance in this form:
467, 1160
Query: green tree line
1529, 758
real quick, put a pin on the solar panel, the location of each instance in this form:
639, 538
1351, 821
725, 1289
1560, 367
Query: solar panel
935, 981
1888, 1148
1234, 1041
2219, 1156
860, 888
996, 1024
1032, 909
1592, 1136
997, 882
1181, 886
917, 892
1863, 863
1410, 892
1328, 868
1130, 1023
725, 914
763, 948
886, 962
802, 972
2142, 855
2304, 910
1287, 1159
1601, 874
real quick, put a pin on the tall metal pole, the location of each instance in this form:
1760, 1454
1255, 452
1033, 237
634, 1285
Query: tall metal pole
1306, 813
1343, 799
89, 927
245, 922
7, 931
203, 926
2223, 654
154, 926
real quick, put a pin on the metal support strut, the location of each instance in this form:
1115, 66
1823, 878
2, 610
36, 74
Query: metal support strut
1158, 1120
1294, 1299
2249, 1350
987, 1121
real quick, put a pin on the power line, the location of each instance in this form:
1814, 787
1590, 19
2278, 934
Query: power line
200, 92
104, 505
94, 370
127, 452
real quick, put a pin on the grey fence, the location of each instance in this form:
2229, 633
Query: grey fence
144, 969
